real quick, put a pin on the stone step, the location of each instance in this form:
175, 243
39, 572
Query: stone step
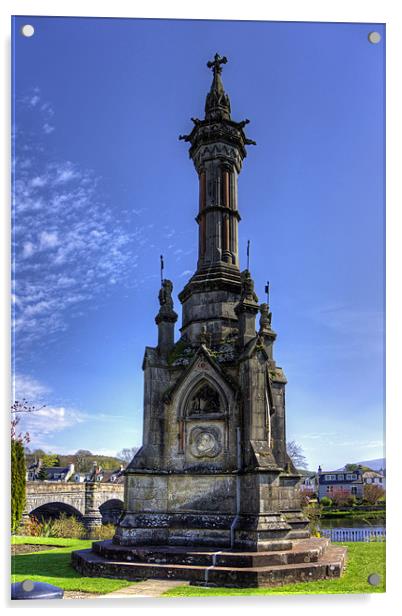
302, 552
330, 564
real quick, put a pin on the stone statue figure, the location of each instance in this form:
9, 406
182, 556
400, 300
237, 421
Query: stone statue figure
247, 287
204, 337
265, 318
165, 294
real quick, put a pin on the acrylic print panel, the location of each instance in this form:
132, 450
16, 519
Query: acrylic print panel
188, 461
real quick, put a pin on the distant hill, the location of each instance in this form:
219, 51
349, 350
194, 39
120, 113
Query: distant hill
375, 465
83, 463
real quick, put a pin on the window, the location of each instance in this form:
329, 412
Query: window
330, 477
330, 489
368, 480
341, 477
351, 476
354, 490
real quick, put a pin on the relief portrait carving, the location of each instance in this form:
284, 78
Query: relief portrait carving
205, 442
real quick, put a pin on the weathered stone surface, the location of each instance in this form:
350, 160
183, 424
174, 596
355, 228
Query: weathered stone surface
308, 560
213, 471
85, 500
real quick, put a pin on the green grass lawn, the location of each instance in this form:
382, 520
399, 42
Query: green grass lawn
363, 559
54, 566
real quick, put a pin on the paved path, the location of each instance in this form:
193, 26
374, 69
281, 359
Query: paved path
147, 588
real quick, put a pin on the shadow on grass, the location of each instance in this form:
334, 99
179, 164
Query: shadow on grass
45, 564
54, 567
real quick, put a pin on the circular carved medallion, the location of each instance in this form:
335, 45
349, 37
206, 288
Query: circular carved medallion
205, 442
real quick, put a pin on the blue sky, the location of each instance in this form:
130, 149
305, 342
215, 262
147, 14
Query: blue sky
103, 187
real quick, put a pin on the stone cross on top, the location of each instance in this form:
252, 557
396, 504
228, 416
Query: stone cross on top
215, 64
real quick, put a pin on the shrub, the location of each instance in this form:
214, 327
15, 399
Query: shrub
352, 500
30, 526
340, 497
326, 501
304, 500
18, 482
106, 531
313, 513
68, 527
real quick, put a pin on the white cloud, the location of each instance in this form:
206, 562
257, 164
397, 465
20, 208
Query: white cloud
48, 239
48, 128
50, 420
27, 387
65, 172
38, 182
27, 250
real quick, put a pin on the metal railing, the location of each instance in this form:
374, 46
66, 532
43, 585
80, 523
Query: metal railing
370, 533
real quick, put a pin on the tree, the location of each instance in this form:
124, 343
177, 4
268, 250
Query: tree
19, 408
83, 462
295, 452
50, 459
18, 466
18, 482
350, 468
38, 454
43, 474
372, 493
127, 454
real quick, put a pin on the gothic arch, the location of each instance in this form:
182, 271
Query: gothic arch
194, 385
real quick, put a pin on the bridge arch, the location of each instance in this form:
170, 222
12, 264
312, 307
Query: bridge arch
111, 510
53, 510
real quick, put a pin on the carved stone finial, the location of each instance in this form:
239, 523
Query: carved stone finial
247, 287
265, 318
217, 104
215, 64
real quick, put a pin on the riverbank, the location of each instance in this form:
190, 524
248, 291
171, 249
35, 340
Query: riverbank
353, 513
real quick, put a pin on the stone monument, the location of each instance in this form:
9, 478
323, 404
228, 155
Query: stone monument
212, 495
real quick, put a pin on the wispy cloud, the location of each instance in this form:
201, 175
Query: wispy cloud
43, 109
51, 418
68, 245
351, 320
27, 387
48, 419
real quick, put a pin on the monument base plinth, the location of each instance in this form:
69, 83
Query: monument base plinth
307, 560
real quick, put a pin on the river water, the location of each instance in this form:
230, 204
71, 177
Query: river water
358, 522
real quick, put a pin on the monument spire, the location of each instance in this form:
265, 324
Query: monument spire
217, 149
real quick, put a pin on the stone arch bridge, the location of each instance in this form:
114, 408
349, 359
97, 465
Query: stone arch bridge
92, 503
